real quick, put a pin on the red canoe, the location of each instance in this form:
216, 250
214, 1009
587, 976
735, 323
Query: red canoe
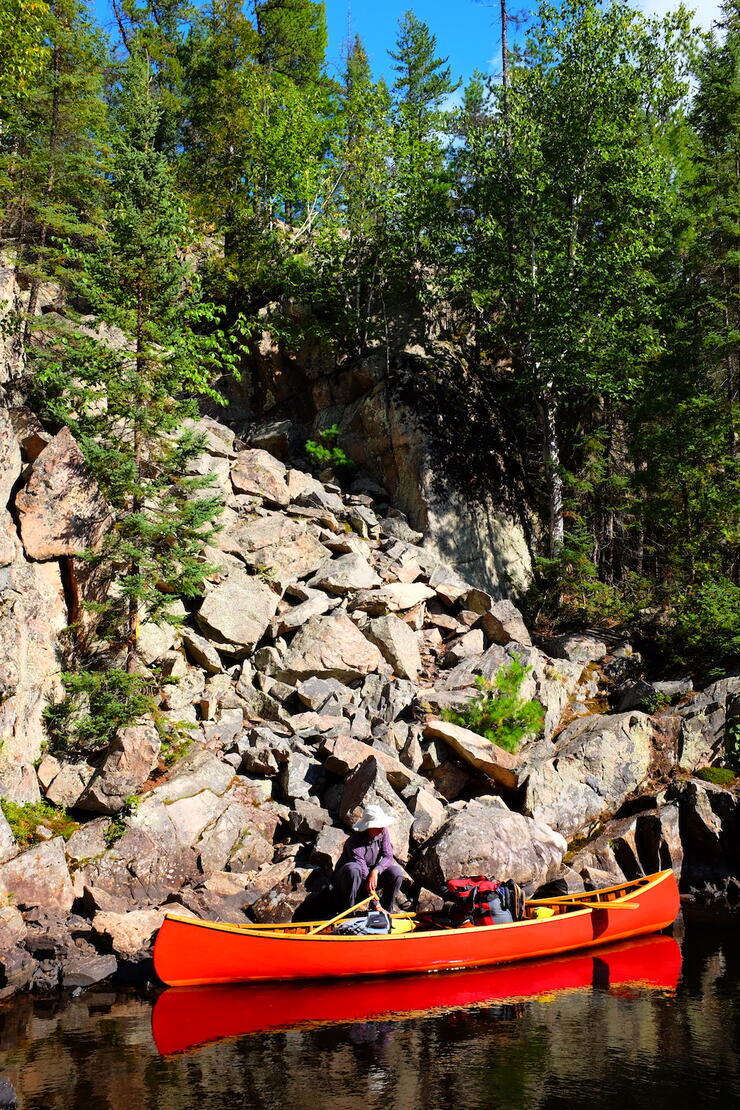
184, 1017
188, 952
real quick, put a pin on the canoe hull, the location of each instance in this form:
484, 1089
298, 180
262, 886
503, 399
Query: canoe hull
185, 1017
189, 952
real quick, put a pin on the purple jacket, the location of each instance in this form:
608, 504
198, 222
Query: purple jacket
370, 854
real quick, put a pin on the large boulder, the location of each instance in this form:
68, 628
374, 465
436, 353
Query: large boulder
631, 847
710, 832
398, 644
131, 757
486, 838
329, 647
704, 723
487, 758
500, 620
347, 573
61, 509
286, 549
394, 597
597, 763
259, 473
39, 877
235, 614
130, 935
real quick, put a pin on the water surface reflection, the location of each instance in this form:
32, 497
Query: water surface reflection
604, 1030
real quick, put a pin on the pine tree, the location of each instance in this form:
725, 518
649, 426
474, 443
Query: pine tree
52, 148
126, 403
418, 198
292, 38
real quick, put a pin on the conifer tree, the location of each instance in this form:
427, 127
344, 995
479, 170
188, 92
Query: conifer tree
418, 210
292, 37
126, 402
52, 146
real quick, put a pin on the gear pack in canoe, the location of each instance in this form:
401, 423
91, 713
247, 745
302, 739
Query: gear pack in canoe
479, 900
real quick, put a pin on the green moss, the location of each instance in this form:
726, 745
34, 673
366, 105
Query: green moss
720, 776
25, 818
117, 827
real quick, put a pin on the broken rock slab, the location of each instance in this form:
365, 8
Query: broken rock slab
347, 573
130, 935
398, 644
235, 614
286, 549
61, 509
478, 752
259, 473
39, 877
329, 647
131, 758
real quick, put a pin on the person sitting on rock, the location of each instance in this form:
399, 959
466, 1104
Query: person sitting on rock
367, 865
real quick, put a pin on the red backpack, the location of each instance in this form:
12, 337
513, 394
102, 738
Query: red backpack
470, 898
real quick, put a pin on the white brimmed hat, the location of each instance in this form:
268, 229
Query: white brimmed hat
374, 817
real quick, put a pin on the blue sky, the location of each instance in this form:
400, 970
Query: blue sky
467, 31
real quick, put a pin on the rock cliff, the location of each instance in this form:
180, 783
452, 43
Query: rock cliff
310, 678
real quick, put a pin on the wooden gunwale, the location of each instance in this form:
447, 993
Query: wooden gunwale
270, 930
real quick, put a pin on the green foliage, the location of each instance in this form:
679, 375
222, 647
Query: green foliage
117, 826
720, 776
498, 713
25, 818
326, 453
569, 590
96, 706
706, 631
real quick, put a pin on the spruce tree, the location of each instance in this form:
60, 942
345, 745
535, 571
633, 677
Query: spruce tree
292, 38
126, 401
420, 186
52, 146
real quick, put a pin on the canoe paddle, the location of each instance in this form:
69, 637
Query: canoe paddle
607, 905
325, 924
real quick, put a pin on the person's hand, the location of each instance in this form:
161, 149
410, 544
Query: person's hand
372, 881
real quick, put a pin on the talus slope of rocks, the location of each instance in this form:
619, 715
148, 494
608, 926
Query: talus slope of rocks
312, 675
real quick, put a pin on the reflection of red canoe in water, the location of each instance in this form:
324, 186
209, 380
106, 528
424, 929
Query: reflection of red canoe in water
188, 952
184, 1017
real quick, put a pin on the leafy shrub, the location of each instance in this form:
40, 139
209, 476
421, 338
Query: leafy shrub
568, 590
325, 453
97, 705
498, 713
25, 818
720, 776
707, 626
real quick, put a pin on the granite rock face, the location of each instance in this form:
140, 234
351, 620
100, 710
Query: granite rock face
486, 838
598, 762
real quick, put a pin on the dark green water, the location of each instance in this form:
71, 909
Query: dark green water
603, 1032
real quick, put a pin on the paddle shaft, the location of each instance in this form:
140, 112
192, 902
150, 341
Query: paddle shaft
607, 905
325, 924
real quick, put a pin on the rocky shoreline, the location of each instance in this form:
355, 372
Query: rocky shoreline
311, 678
